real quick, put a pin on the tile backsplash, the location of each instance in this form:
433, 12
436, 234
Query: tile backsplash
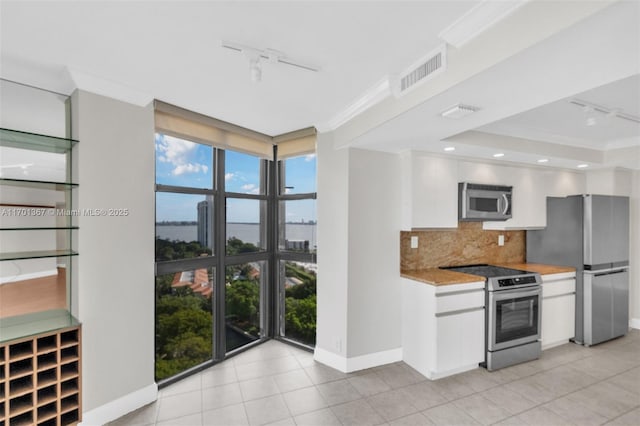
466, 245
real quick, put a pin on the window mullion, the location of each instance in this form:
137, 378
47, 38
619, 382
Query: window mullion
219, 332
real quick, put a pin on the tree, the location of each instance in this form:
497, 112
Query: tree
237, 246
300, 318
243, 305
300, 305
183, 328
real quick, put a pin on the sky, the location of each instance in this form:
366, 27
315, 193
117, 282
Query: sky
184, 163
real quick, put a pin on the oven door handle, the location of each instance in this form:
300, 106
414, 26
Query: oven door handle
514, 294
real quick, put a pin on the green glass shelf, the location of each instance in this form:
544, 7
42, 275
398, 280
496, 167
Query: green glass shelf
19, 255
39, 184
24, 140
21, 326
44, 228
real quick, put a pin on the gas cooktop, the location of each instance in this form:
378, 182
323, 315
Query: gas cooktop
499, 278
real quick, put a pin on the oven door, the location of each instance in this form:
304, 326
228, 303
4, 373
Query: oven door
514, 317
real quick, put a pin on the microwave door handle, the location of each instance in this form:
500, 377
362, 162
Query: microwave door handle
505, 203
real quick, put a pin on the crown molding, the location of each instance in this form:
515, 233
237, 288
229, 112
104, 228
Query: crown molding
101, 86
477, 20
46, 76
372, 96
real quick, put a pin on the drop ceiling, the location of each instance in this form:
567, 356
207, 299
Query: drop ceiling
138, 51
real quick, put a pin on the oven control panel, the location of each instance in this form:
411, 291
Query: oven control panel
509, 282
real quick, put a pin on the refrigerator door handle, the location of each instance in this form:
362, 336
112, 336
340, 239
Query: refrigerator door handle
619, 271
608, 271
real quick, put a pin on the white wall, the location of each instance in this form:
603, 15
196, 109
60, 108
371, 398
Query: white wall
359, 298
610, 182
375, 298
115, 273
333, 257
634, 253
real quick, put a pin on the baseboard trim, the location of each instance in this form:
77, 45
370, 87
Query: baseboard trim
362, 362
119, 407
330, 359
31, 276
435, 376
635, 323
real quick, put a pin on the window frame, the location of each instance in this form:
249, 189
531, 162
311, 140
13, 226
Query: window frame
284, 255
272, 289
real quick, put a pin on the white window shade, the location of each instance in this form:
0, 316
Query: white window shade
189, 125
294, 144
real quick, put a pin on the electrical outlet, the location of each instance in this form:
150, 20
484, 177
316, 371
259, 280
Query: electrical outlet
500, 240
414, 241
337, 344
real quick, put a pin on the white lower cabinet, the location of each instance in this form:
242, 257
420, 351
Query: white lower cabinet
558, 309
443, 327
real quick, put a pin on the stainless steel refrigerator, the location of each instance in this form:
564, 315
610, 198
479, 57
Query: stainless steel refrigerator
590, 233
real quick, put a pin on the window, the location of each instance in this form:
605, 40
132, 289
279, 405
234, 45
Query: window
299, 304
183, 163
185, 233
184, 321
243, 302
228, 213
297, 247
184, 227
300, 174
245, 226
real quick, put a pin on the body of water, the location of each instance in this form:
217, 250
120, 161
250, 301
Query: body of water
247, 232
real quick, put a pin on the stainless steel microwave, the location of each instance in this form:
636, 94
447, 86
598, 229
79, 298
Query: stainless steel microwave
478, 202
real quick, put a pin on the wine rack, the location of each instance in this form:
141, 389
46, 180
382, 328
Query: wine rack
40, 382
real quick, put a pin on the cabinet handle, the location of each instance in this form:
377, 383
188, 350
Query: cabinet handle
458, 312
559, 295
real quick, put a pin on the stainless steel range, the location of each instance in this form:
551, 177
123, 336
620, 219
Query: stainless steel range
513, 314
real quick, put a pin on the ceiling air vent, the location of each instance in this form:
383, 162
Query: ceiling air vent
423, 70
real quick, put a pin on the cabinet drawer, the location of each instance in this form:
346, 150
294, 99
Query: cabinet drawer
557, 288
459, 301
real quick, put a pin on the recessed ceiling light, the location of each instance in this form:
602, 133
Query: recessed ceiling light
450, 148
459, 111
582, 166
543, 160
498, 155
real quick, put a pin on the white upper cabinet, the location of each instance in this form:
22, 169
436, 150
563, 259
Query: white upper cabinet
528, 199
430, 190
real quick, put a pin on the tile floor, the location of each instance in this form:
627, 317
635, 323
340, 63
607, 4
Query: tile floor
280, 385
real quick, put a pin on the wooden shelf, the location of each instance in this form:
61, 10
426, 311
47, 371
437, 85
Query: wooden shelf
47, 395
21, 368
47, 412
47, 378
21, 351
25, 419
47, 361
20, 405
19, 387
43, 386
